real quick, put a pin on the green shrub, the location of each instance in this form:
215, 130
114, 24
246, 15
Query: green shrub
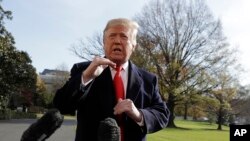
20, 115
10, 114
5, 114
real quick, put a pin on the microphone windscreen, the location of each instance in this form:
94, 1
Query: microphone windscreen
108, 130
44, 127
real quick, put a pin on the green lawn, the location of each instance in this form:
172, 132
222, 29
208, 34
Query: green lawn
191, 131
187, 131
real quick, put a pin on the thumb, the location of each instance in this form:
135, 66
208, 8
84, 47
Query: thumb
119, 100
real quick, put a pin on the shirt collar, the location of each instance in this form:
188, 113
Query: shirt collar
124, 67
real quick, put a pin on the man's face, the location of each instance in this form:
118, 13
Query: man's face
118, 44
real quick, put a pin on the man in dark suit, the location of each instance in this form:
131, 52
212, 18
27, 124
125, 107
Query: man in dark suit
91, 90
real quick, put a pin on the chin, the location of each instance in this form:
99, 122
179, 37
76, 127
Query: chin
118, 62
117, 59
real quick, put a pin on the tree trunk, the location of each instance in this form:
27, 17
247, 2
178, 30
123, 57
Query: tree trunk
185, 111
220, 120
171, 106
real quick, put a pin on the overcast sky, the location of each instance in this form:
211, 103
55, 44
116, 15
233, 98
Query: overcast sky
46, 29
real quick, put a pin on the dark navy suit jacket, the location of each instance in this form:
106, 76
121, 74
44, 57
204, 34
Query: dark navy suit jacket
142, 89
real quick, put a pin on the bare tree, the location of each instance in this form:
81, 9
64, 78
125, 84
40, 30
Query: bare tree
91, 46
185, 44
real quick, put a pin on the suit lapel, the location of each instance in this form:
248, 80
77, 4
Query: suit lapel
134, 83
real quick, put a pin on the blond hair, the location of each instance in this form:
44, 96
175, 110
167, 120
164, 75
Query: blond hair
123, 22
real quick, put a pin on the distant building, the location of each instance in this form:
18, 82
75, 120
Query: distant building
53, 79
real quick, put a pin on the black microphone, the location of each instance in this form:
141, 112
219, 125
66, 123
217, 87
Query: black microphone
44, 127
108, 130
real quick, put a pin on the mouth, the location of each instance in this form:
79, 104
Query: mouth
117, 50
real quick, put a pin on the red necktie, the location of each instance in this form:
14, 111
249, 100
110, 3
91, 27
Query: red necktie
119, 88
119, 91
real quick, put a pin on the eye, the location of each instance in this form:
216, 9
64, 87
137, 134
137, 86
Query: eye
123, 36
112, 36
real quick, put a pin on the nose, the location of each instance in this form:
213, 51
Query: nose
117, 40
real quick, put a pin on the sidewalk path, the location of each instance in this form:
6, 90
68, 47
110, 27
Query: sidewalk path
12, 130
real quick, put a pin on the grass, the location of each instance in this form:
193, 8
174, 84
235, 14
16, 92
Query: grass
191, 131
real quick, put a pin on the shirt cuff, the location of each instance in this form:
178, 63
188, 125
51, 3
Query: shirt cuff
141, 123
86, 83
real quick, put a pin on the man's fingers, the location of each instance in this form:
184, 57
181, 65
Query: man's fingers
118, 109
121, 106
98, 65
105, 61
100, 61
